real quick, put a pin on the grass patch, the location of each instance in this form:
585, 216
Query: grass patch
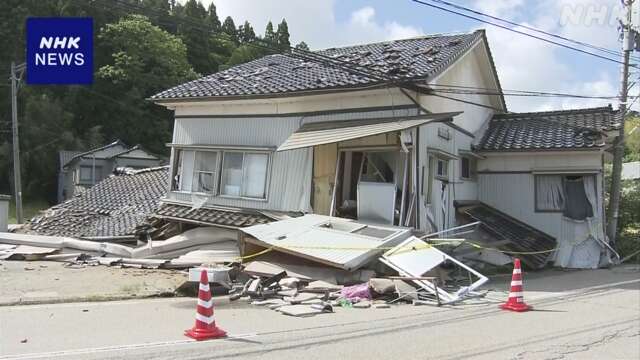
30, 208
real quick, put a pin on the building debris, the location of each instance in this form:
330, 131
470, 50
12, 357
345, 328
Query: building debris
415, 258
508, 234
336, 242
298, 266
112, 208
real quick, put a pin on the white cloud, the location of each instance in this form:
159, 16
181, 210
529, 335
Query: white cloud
498, 7
324, 30
529, 64
364, 16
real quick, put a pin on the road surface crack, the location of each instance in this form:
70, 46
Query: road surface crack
559, 352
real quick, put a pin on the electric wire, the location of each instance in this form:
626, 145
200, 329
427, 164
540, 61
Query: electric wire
424, 3
582, 43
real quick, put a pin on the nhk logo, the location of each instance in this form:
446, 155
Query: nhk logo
59, 50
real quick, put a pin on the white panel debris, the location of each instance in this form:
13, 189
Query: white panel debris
414, 258
336, 242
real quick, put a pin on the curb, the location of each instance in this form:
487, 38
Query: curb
91, 298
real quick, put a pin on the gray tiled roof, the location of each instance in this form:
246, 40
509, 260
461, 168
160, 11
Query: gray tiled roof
85, 153
113, 207
67, 155
210, 216
534, 247
408, 59
550, 130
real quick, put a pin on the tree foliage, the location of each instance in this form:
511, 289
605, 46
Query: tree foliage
141, 47
632, 140
302, 46
282, 36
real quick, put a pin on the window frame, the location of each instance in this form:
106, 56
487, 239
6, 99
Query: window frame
216, 173
179, 156
93, 171
563, 176
445, 167
535, 194
244, 169
472, 163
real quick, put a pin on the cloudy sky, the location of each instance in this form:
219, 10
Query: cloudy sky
523, 63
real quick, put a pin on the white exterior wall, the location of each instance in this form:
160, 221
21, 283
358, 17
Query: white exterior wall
472, 70
289, 182
511, 189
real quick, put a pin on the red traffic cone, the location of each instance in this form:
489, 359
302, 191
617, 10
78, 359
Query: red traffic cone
516, 300
205, 327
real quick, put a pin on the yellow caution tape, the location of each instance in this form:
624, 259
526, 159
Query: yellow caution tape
402, 249
241, 258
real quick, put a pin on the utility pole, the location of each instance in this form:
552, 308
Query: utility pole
618, 144
15, 79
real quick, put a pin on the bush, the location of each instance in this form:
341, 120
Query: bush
629, 222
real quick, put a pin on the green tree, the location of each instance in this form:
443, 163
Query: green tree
246, 33
632, 140
302, 46
212, 18
244, 53
195, 32
282, 36
229, 28
144, 60
269, 34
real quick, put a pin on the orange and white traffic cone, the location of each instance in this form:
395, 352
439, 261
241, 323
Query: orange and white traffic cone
205, 327
516, 299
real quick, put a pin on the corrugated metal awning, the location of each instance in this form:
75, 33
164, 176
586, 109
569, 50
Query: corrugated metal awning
329, 132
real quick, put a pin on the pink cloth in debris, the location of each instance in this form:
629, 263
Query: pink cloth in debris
356, 292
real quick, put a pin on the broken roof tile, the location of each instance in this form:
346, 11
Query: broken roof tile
211, 216
113, 207
566, 129
287, 73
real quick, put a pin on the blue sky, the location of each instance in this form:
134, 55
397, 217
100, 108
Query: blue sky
522, 63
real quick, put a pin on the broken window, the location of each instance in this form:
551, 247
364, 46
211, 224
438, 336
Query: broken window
569, 194
377, 167
204, 172
244, 174
177, 170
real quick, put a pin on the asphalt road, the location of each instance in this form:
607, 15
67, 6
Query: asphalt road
578, 315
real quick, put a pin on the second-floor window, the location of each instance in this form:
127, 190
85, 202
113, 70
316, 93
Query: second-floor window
220, 172
204, 172
244, 174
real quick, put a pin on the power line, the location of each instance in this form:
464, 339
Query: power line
511, 92
549, 95
582, 43
518, 31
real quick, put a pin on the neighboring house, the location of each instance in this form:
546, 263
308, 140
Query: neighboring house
546, 169
631, 170
81, 170
112, 209
288, 133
